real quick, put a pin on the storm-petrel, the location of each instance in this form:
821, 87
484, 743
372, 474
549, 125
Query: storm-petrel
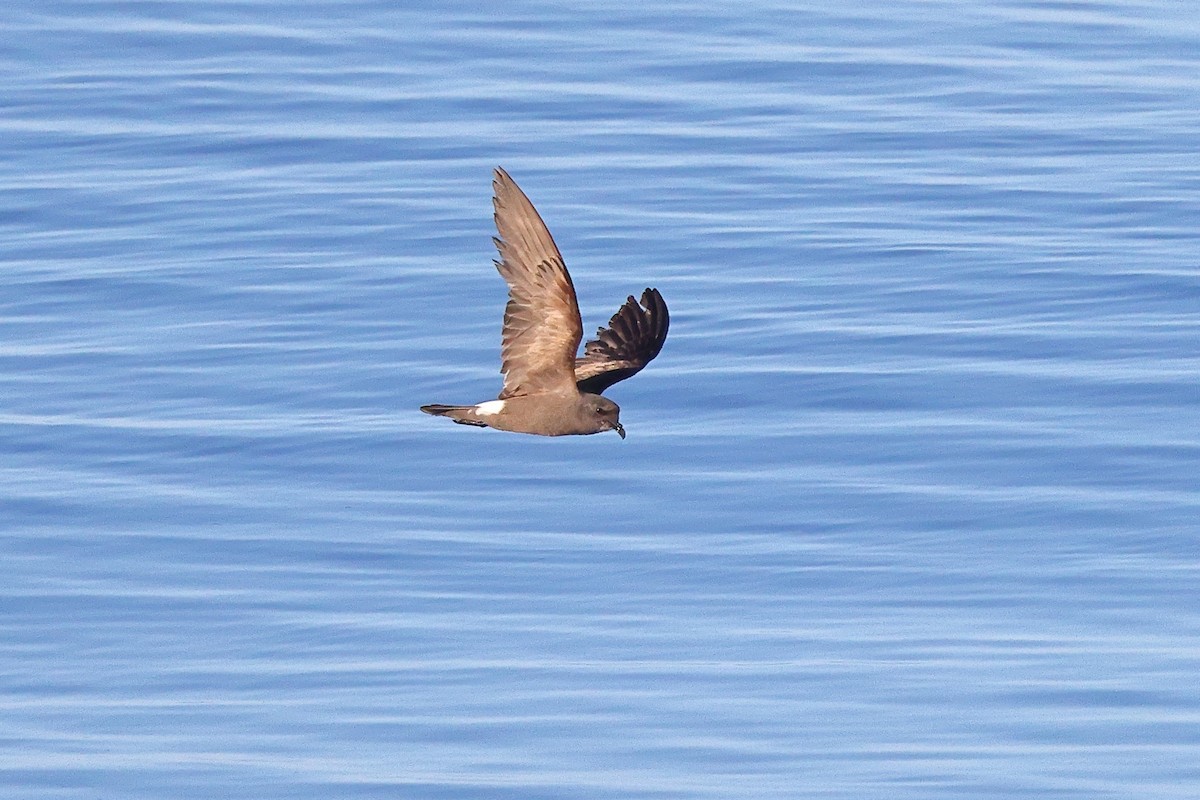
547, 390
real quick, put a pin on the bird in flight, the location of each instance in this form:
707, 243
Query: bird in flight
548, 390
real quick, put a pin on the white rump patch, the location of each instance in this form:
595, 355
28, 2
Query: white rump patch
489, 408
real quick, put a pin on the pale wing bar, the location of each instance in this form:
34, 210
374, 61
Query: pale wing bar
542, 329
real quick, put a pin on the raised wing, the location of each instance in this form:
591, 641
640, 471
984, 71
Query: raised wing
634, 336
542, 329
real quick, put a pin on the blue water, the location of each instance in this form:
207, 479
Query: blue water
909, 504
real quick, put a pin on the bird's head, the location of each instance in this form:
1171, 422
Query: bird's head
606, 412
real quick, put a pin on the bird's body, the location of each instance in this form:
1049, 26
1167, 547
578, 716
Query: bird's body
577, 414
548, 391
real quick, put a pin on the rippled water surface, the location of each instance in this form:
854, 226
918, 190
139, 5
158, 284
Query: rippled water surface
909, 503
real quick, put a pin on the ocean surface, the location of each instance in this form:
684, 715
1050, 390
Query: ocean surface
910, 502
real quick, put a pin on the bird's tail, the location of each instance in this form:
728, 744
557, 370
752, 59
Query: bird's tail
463, 415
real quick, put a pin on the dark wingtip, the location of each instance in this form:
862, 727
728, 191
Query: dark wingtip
653, 301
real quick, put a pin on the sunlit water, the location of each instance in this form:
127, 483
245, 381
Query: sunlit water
908, 507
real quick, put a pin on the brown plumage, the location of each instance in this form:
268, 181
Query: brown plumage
542, 327
547, 390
